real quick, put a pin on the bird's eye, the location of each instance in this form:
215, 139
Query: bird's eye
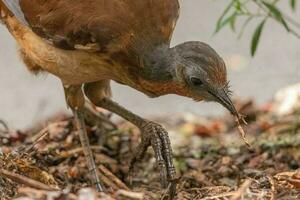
196, 81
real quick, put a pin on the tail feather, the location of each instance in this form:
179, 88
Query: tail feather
13, 6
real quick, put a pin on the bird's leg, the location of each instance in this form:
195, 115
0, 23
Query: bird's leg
75, 99
153, 135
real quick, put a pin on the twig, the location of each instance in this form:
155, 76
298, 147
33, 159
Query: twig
40, 134
238, 194
35, 139
6, 129
130, 195
223, 195
32, 193
66, 154
241, 130
4, 124
38, 137
112, 177
25, 180
108, 182
273, 187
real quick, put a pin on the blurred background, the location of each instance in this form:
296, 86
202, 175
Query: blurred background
26, 98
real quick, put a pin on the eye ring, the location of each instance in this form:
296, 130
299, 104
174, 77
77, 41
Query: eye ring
196, 81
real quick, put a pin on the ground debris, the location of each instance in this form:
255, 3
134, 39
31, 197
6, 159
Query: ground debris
46, 162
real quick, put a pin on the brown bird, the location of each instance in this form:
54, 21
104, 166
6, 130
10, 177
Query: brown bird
88, 43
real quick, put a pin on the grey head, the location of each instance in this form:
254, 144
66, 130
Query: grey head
203, 72
192, 69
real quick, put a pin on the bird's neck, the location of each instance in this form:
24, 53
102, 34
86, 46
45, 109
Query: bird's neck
155, 75
157, 65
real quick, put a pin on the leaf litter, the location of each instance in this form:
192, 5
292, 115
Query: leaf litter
46, 162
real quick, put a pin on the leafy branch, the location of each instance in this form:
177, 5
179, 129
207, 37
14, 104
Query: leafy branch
257, 10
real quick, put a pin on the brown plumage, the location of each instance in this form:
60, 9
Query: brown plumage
116, 33
90, 42
116, 26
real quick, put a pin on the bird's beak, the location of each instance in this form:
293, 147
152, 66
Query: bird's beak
224, 99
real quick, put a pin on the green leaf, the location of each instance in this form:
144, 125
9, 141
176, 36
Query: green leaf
277, 14
244, 26
273, 10
293, 4
220, 20
286, 26
232, 22
229, 20
238, 6
256, 36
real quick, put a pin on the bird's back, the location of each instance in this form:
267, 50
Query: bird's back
109, 23
113, 30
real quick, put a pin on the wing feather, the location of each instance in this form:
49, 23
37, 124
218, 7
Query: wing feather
112, 24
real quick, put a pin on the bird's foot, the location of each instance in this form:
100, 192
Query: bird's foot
156, 136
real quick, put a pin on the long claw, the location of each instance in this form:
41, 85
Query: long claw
155, 135
167, 153
172, 189
139, 153
157, 147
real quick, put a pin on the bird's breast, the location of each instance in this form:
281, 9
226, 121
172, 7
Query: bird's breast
160, 88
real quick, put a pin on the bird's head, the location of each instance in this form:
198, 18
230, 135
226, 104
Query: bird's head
191, 69
202, 72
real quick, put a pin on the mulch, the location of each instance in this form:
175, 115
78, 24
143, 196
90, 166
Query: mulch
47, 162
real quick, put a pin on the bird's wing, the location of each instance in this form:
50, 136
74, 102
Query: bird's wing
108, 24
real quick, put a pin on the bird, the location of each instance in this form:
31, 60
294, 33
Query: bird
89, 43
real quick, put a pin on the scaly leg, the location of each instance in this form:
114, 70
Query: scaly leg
153, 135
75, 99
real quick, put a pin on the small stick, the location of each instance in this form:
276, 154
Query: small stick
239, 193
4, 125
25, 180
273, 187
108, 182
219, 196
37, 138
130, 195
4, 133
238, 120
48, 128
40, 134
32, 193
113, 178
71, 152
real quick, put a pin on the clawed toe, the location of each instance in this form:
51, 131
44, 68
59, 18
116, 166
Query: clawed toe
156, 136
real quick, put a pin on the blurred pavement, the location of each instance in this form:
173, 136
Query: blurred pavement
26, 98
